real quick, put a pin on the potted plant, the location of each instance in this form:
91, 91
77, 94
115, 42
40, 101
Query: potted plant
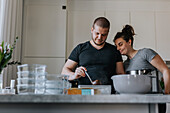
6, 51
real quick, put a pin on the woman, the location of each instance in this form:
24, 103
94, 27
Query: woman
140, 59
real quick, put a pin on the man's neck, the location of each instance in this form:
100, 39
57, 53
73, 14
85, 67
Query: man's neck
96, 46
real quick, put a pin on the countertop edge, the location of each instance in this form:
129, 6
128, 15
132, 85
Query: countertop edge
138, 99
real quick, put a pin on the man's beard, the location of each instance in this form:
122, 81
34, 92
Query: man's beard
98, 44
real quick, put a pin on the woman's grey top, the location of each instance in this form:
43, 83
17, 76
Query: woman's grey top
141, 60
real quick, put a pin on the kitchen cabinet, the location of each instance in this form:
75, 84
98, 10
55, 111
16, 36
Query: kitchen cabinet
44, 33
168, 108
117, 20
144, 29
163, 34
49, 31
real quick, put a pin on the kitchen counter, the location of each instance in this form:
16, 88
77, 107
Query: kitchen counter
86, 103
124, 98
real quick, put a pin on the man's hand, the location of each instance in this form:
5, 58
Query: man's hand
79, 72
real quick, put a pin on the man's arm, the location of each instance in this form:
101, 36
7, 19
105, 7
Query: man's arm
119, 68
70, 67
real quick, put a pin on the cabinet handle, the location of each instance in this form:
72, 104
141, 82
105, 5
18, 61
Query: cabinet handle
63, 7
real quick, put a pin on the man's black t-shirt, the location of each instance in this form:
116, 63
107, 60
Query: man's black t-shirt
100, 64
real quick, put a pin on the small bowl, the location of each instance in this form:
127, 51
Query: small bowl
132, 84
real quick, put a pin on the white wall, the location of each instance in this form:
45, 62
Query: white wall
44, 34
148, 17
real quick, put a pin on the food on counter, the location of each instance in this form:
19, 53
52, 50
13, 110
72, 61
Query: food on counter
74, 91
83, 91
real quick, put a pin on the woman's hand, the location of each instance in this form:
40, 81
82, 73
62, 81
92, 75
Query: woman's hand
167, 89
162, 67
167, 82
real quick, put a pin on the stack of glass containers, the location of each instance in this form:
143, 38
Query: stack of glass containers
56, 84
31, 79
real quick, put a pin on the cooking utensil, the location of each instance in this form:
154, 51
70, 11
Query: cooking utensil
132, 84
153, 74
88, 77
96, 82
140, 72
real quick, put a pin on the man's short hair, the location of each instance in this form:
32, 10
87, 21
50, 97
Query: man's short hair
102, 22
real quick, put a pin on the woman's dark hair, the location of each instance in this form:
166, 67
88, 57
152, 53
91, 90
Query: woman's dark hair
127, 34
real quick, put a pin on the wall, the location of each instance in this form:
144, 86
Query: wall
44, 33
150, 19
45, 24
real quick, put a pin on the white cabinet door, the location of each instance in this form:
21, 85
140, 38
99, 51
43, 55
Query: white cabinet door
168, 108
163, 34
44, 33
144, 27
79, 27
54, 65
44, 28
117, 21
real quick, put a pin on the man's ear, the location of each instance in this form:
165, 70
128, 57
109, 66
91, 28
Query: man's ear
92, 29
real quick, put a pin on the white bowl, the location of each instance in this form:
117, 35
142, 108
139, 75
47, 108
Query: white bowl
132, 84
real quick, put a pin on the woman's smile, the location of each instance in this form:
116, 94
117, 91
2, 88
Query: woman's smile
121, 46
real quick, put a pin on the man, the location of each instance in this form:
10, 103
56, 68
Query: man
100, 59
